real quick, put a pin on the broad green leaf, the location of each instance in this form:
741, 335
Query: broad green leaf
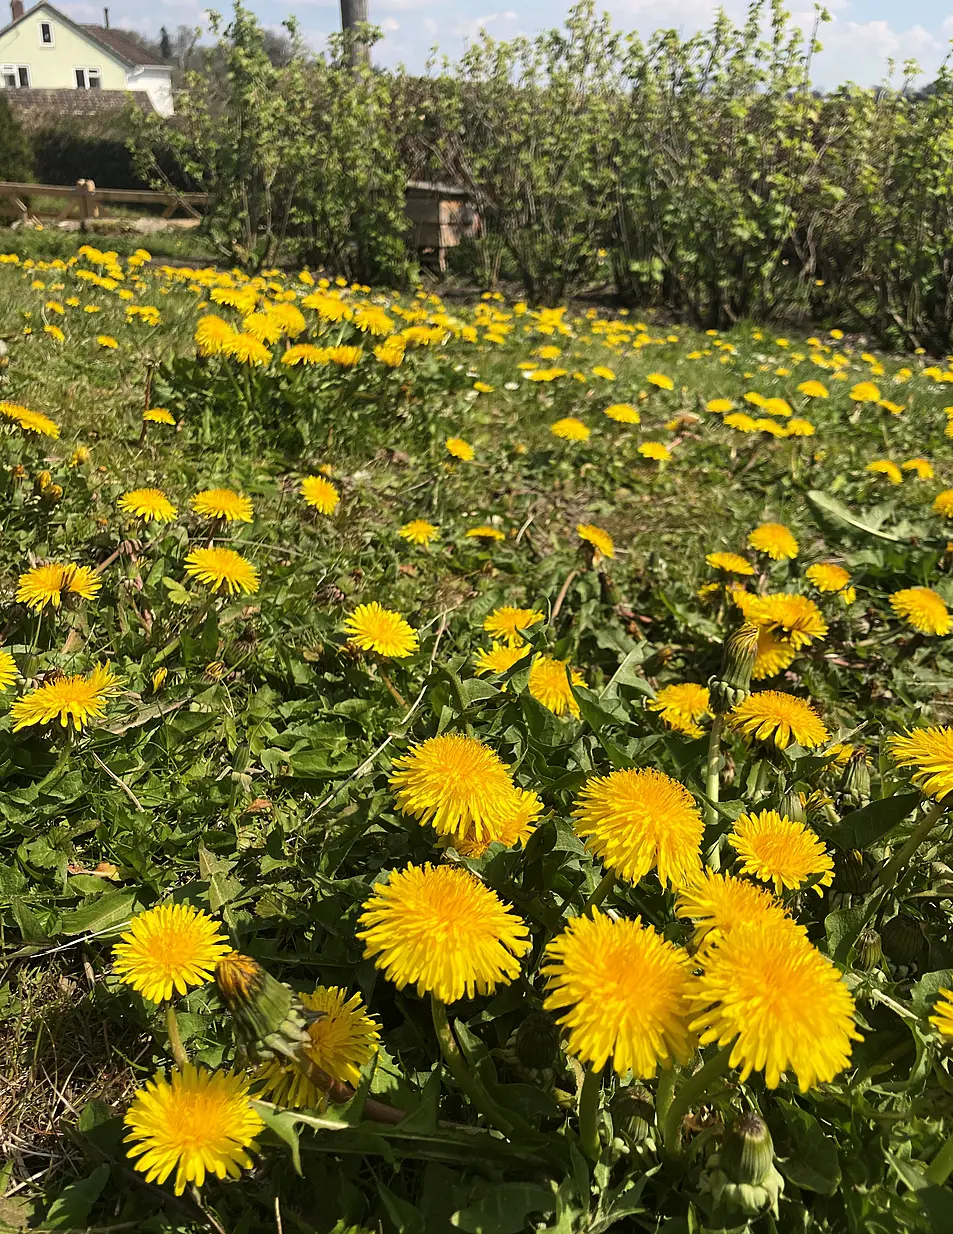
504, 1208
110, 909
836, 513
71, 1208
871, 823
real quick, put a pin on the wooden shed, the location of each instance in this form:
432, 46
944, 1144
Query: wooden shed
441, 215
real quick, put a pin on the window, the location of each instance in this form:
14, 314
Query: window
46, 34
88, 79
15, 76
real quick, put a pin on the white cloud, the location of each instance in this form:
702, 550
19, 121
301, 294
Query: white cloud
390, 25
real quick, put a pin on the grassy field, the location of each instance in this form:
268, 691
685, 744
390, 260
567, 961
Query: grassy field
236, 758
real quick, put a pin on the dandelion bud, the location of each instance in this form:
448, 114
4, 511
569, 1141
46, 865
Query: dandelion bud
792, 807
158, 679
19, 472
42, 480
52, 495
732, 684
742, 1176
536, 1041
902, 939
216, 670
633, 1113
79, 456
855, 782
869, 949
853, 871
268, 1018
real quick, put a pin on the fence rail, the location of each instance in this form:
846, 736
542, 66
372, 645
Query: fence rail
83, 200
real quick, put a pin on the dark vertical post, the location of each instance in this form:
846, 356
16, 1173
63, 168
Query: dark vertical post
353, 15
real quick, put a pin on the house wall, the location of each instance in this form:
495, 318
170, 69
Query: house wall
157, 83
54, 68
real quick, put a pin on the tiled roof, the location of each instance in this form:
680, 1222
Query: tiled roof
34, 108
124, 45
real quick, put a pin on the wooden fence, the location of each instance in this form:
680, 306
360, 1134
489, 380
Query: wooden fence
83, 200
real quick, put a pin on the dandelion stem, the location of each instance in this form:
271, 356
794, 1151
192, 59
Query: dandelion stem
175, 1037
589, 1094
712, 779
606, 883
893, 869
692, 1093
395, 693
466, 1080
665, 1094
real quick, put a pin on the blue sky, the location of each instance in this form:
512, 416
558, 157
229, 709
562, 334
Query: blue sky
858, 42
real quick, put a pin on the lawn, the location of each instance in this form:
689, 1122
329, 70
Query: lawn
530, 690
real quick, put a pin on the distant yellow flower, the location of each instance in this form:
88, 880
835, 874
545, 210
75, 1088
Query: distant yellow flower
623, 413
482, 387
660, 381
778, 850
682, 706
600, 540
774, 539
306, 355
509, 623
730, 563
943, 502
639, 820
56, 333
391, 352
600, 370
500, 658
213, 335
173, 947
621, 989
549, 684
766, 988
655, 450
344, 356
780, 719
8, 669
375, 628
460, 449
223, 503
827, 576
78, 699
570, 429
247, 350
320, 493
796, 427
106, 340
340, 1042
222, 569
719, 405
884, 467
485, 532
740, 422
80, 455
895, 409
32, 421
198, 1124
443, 931
48, 584
158, 415
149, 504
865, 392
813, 389
419, 531
930, 752
923, 609
923, 468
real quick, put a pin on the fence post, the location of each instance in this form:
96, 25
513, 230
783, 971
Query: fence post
88, 208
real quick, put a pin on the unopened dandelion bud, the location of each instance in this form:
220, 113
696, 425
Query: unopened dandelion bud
869, 949
742, 1176
633, 1113
42, 480
731, 685
269, 1019
158, 679
853, 871
902, 939
52, 495
855, 782
536, 1041
792, 807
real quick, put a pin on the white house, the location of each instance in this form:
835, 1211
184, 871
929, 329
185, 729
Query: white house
43, 49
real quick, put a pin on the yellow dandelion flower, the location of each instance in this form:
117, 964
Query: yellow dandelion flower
716, 903
197, 1124
515, 829
797, 427
621, 989
223, 569
172, 947
922, 467
774, 539
778, 850
500, 658
660, 381
865, 392
655, 450
623, 413
443, 931
391, 354
719, 405
158, 415
570, 429
827, 576
923, 609
56, 333
943, 502
460, 449
320, 494
371, 627
942, 1018
290, 319
246, 349
345, 357
782, 1003
509, 623
8, 669
372, 319
639, 820
455, 784
600, 540
149, 504
730, 563
213, 335
682, 706
80, 455
107, 341
341, 1042
264, 327
485, 532
741, 422
223, 503
30, 421
798, 617
813, 389
305, 354
549, 684
884, 467
774, 654
48, 584
419, 531
77, 698
779, 718
482, 387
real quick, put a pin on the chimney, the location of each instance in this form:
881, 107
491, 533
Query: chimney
106, 18
16, 9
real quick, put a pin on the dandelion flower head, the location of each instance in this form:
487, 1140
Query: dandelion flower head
778, 850
375, 628
170, 948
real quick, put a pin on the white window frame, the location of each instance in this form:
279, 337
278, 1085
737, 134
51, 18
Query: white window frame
39, 27
86, 70
13, 70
